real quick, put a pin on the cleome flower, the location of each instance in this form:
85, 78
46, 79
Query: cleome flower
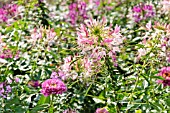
143, 11
165, 73
166, 5
96, 33
97, 40
53, 86
77, 12
5, 89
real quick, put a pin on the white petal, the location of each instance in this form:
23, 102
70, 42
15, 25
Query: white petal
3, 60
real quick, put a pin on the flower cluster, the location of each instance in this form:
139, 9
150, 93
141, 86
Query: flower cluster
53, 86
166, 5
142, 12
165, 73
7, 12
101, 40
95, 33
77, 12
65, 70
164, 30
45, 36
4, 89
8, 54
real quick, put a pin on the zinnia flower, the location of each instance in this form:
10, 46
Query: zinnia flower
101, 110
165, 73
53, 86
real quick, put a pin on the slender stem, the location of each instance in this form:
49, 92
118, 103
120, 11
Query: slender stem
51, 105
88, 90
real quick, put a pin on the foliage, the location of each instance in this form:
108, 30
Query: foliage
97, 56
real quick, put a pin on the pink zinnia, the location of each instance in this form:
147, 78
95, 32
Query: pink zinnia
165, 73
53, 86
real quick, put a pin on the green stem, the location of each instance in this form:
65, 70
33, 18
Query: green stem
88, 90
51, 105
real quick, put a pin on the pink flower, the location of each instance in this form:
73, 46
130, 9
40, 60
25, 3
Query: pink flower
77, 12
9, 54
147, 7
53, 86
97, 33
7, 12
101, 110
165, 73
166, 5
4, 89
51, 34
149, 25
69, 111
97, 2
63, 74
54, 75
67, 59
36, 34
142, 12
17, 79
142, 52
87, 64
137, 9
117, 29
34, 83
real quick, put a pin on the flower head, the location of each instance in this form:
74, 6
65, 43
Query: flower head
165, 73
53, 86
97, 34
7, 12
77, 12
142, 12
9, 54
166, 5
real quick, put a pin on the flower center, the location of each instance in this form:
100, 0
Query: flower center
53, 85
167, 74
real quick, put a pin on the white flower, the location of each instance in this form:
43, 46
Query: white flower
3, 61
141, 52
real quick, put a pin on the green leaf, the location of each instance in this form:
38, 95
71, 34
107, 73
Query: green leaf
158, 77
168, 101
43, 100
27, 89
102, 94
57, 32
39, 108
51, 109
